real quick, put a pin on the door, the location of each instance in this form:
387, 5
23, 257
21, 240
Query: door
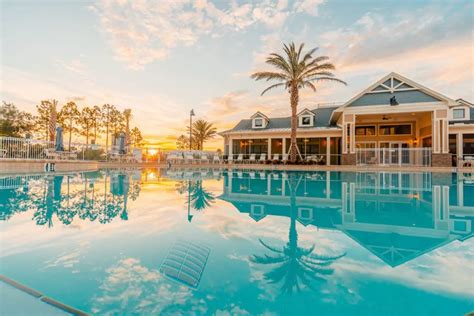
399, 153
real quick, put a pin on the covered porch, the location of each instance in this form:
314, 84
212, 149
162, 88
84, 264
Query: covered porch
318, 149
397, 137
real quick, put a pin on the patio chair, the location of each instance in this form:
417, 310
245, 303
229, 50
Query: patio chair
263, 158
276, 158
252, 158
468, 161
240, 158
284, 158
51, 153
204, 158
216, 159
189, 158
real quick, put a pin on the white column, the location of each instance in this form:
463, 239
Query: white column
283, 146
435, 134
269, 154
344, 138
459, 145
352, 138
445, 136
328, 151
231, 147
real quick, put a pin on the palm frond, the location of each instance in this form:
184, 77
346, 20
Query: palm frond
268, 75
272, 87
270, 247
318, 79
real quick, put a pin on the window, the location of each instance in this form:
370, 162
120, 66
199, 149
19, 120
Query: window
258, 122
306, 120
395, 129
459, 114
365, 130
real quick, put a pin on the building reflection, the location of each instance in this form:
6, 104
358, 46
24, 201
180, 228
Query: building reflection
100, 195
396, 216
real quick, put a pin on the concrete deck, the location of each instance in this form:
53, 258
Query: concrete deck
13, 166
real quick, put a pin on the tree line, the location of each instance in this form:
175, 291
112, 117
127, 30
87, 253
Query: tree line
90, 122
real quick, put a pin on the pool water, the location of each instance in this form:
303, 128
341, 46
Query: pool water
243, 242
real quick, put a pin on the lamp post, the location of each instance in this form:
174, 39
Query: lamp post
191, 114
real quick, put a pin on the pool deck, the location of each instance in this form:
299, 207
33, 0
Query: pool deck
14, 166
18, 299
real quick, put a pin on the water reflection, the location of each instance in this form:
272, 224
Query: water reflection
101, 195
396, 216
294, 266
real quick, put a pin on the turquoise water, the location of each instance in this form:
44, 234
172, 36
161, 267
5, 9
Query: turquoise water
243, 242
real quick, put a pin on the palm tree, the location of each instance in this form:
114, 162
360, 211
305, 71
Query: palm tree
296, 71
296, 265
202, 132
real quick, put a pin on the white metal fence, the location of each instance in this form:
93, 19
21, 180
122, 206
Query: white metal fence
394, 156
34, 149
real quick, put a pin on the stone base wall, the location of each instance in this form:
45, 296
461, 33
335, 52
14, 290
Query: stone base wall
17, 166
441, 160
348, 159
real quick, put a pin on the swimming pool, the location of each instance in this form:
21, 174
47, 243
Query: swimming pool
243, 242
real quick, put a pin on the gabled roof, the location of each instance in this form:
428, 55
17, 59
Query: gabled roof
259, 114
321, 120
306, 111
404, 89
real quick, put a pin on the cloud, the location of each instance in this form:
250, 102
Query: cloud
75, 66
141, 32
308, 6
421, 42
144, 31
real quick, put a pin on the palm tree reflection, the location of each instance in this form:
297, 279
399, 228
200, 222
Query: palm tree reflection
198, 197
295, 266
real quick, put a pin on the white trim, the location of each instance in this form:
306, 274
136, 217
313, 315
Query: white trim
392, 75
466, 116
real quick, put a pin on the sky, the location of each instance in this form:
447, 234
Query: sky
163, 58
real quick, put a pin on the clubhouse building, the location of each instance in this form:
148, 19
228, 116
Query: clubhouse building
395, 121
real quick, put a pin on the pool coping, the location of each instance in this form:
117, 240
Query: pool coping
43, 298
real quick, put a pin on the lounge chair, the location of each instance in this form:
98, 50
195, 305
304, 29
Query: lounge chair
263, 158
189, 158
204, 158
276, 158
284, 158
240, 158
216, 159
252, 158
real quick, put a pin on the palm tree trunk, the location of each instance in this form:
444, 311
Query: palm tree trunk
294, 106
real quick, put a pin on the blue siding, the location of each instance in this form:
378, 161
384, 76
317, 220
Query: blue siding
413, 96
